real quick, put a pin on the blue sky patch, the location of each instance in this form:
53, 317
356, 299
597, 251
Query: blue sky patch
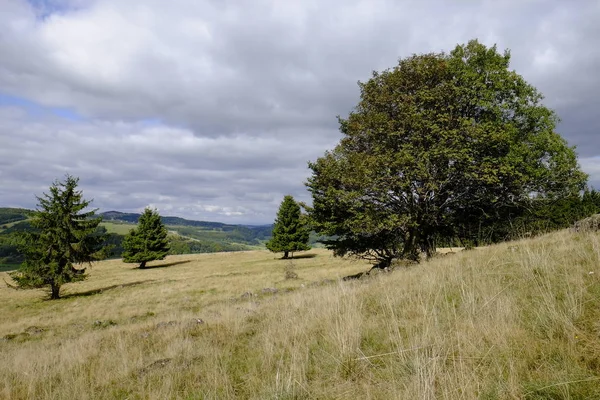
38, 110
45, 8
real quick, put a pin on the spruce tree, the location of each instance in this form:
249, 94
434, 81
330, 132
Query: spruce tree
290, 232
148, 242
63, 235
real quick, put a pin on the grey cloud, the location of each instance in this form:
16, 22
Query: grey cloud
245, 93
129, 166
227, 68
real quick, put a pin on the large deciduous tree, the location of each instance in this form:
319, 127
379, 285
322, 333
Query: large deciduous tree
290, 231
63, 235
148, 242
438, 141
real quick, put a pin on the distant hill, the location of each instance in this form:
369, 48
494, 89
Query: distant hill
246, 232
187, 236
134, 217
9, 215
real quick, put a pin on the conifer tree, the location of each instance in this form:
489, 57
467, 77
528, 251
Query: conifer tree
290, 232
148, 242
63, 235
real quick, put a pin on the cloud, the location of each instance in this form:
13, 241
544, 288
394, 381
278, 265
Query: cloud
192, 105
127, 166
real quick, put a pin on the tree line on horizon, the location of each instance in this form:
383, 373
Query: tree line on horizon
443, 149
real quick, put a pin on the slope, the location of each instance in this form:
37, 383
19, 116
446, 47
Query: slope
514, 320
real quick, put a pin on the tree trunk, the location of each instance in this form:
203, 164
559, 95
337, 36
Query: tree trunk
55, 291
383, 264
143, 265
410, 251
285, 254
429, 246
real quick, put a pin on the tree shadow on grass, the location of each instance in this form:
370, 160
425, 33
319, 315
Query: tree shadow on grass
300, 256
101, 290
166, 265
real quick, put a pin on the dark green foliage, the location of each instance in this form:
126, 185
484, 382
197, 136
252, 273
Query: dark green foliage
9, 238
539, 216
63, 235
440, 145
21, 226
8, 215
290, 232
148, 242
182, 245
115, 243
9, 252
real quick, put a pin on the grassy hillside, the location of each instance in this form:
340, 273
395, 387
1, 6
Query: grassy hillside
200, 230
119, 228
517, 320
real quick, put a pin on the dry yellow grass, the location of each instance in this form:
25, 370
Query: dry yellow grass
512, 321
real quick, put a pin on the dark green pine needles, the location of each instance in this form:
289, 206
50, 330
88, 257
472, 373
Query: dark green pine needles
148, 242
63, 235
290, 232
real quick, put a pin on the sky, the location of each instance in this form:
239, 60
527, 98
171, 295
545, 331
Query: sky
211, 109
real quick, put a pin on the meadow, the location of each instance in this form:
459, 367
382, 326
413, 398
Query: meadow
117, 227
518, 320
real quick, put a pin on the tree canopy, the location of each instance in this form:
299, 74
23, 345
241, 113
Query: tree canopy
439, 141
63, 236
290, 232
148, 242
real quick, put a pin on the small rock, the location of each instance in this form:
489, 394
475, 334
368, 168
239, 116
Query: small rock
291, 275
155, 365
166, 324
160, 363
352, 277
33, 330
247, 295
104, 324
199, 321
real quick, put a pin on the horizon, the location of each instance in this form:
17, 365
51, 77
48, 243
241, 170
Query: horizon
99, 212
